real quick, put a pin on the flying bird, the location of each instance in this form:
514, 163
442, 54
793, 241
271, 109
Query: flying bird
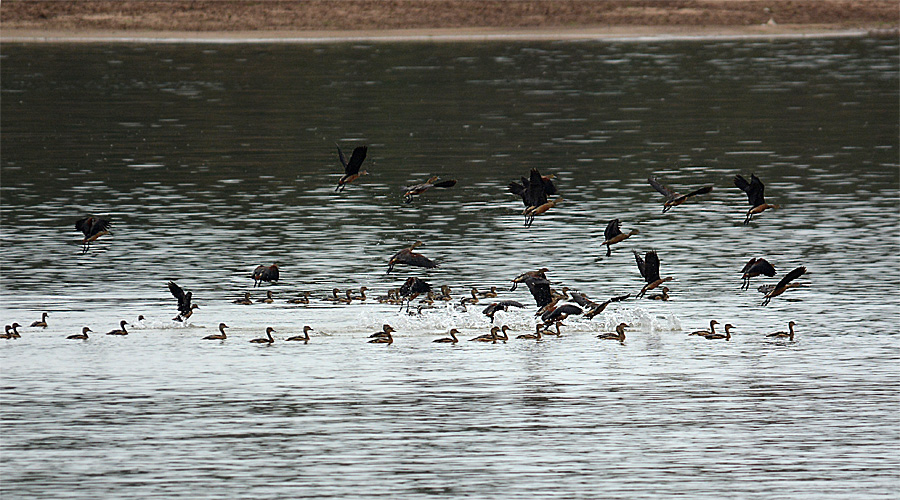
533, 191
433, 182
503, 305
351, 168
264, 273
410, 258
185, 308
649, 268
784, 284
412, 288
674, 199
754, 267
614, 234
754, 190
92, 228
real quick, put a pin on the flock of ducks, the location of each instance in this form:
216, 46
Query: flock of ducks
553, 307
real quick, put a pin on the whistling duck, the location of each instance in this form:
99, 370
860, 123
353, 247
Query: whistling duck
534, 192
245, 301
334, 296
80, 336
674, 199
351, 168
185, 308
754, 267
784, 284
445, 293
263, 273
557, 314
660, 296
788, 335
388, 339
719, 336
619, 335
42, 323
15, 330
470, 300
533, 336
218, 336
754, 190
592, 308
540, 273
649, 268
614, 234
7, 334
531, 212
119, 331
412, 288
385, 331
712, 329
433, 182
268, 299
488, 337
449, 340
268, 340
304, 337
503, 305
410, 258
92, 228
304, 299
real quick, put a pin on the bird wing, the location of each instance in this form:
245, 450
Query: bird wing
341, 157
619, 298
414, 285
612, 230
356, 160
696, 192
749, 265
510, 303
762, 266
581, 299
83, 225
270, 273
258, 271
664, 190
540, 290
548, 186
445, 184
640, 263
516, 188
791, 276
651, 266
756, 191
535, 195
417, 259
184, 300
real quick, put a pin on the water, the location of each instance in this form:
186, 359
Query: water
213, 159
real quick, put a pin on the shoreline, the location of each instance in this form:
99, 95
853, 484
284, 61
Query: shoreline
441, 35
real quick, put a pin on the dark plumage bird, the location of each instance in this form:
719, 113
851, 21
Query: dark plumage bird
185, 308
558, 314
540, 273
80, 336
592, 308
533, 191
268, 339
614, 234
674, 199
412, 191
119, 331
783, 334
264, 273
503, 305
92, 228
218, 336
784, 284
452, 339
754, 190
540, 290
754, 267
42, 323
649, 268
301, 338
412, 288
410, 258
351, 168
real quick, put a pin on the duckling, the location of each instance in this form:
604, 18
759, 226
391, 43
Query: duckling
80, 336
245, 301
712, 329
718, 336
218, 336
449, 340
42, 323
304, 337
268, 299
781, 335
619, 335
268, 340
120, 331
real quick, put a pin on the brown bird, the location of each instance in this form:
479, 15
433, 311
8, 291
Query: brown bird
784, 284
534, 192
80, 336
449, 340
533, 211
782, 335
120, 331
304, 338
385, 331
410, 258
351, 168
649, 268
219, 336
754, 267
619, 335
540, 273
719, 336
592, 308
502, 305
42, 323
674, 199
387, 339
614, 234
418, 189
412, 288
92, 228
268, 340
754, 190
702, 333
185, 308
264, 273
246, 300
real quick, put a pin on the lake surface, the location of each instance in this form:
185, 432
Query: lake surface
211, 159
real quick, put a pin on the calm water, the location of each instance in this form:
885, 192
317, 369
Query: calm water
213, 159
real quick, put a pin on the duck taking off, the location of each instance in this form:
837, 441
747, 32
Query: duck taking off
754, 267
614, 234
351, 168
92, 228
185, 308
265, 273
534, 192
410, 258
754, 190
649, 268
784, 284
674, 199
433, 182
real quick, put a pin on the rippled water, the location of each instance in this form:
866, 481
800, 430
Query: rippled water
213, 159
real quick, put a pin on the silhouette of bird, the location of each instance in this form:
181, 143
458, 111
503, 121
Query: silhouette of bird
412, 288
410, 258
533, 191
185, 308
502, 305
304, 338
674, 199
649, 268
268, 339
614, 234
433, 182
264, 273
119, 331
92, 228
754, 190
592, 308
754, 267
540, 273
540, 290
351, 168
784, 284
556, 315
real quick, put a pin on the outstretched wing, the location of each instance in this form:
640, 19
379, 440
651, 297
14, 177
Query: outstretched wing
761, 266
356, 160
702, 190
184, 300
754, 189
535, 195
540, 290
515, 188
640, 263
445, 184
612, 230
664, 190
791, 276
748, 265
651, 266
341, 157
90, 226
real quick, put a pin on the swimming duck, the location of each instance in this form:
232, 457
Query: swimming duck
351, 168
660, 296
264, 273
451, 339
386, 330
304, 337
712, 329
92, 228
42, 323
246, 300
788, 335
488, 337
754, 190
619, 335
533, 336
15, 331
303, 299
719, 336
269, 340
614, 234
119, 331
674, 199
389, 339
80, 336
7, 334
218, 336
268, 299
